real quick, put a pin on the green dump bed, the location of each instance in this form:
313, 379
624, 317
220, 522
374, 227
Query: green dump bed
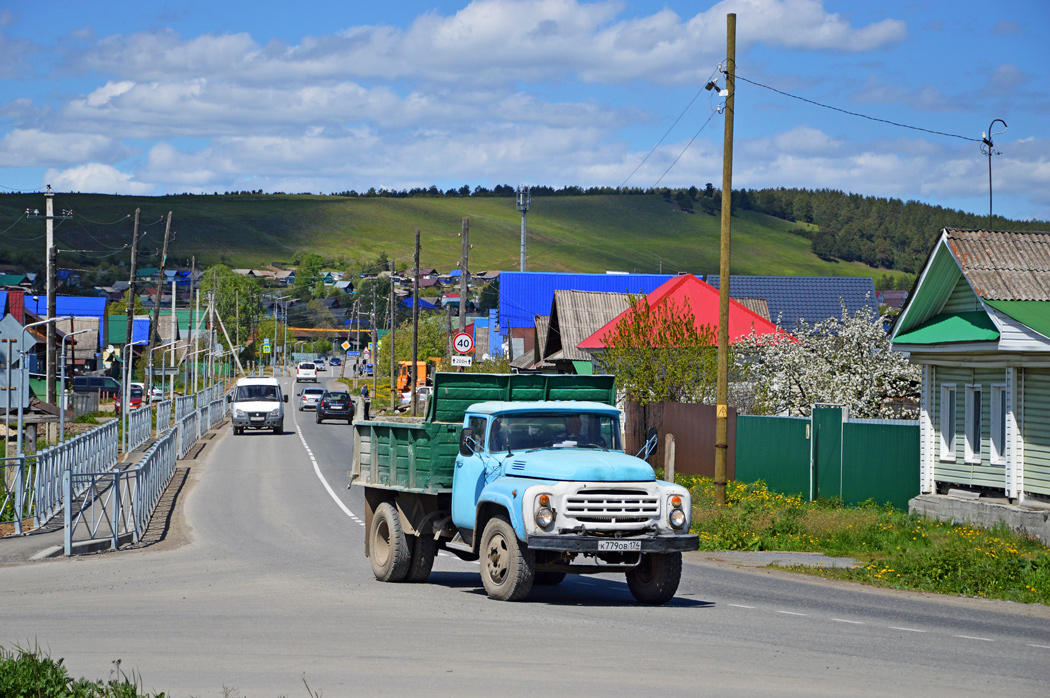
420, 455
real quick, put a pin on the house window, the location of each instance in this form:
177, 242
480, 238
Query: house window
973, 423
948, 422
998, 454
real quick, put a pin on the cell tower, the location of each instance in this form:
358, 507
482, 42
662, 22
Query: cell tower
524, 200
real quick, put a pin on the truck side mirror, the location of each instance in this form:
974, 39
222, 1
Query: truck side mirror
285, 398
466, 442
651, 439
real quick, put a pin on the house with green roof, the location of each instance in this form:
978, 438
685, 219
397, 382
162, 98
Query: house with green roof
978, 323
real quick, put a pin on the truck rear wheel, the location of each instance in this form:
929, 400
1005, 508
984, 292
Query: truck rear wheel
388, 545
655, 581
507, 566
424, 549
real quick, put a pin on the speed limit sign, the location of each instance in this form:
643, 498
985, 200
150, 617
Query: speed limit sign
463, 343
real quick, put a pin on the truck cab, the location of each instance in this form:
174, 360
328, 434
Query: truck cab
534, 485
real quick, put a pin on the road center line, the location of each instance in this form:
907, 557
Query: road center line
971, 637
907, 630
736, 605
1042, 647
317, 469
791, 613
843, 620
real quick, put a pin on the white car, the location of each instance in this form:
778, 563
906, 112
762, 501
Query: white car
306, 371
309, 398
257, 403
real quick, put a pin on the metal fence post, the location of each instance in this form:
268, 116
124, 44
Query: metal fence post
116, 510
20, 493
67, 500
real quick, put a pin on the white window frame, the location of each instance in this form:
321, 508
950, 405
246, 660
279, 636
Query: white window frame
947, 422
974, 423
997, 436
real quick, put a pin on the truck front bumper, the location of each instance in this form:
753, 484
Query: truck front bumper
266, 422
589, 544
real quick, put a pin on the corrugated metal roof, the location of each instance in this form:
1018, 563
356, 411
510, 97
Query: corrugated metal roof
809, 298
1004, 265
576, 315
758, 306
77, 306
525, 294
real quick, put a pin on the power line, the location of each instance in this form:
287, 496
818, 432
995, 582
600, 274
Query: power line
852, 113
685, 148
122, 218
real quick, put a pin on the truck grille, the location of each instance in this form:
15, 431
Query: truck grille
612, 506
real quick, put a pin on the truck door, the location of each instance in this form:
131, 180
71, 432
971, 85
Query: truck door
469, 478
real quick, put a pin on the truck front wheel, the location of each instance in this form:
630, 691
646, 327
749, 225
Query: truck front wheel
507, 566
655, 580
388, 545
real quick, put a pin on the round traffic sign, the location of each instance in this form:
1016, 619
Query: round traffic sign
463, 343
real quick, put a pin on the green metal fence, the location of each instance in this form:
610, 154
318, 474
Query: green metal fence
827, 456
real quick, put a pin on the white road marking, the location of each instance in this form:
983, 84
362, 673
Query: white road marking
970, 637
791, 613
843, 620
736, 605
320, 477
907, 630
1042, 647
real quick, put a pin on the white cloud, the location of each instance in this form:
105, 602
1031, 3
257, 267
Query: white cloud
96, 178
36, 148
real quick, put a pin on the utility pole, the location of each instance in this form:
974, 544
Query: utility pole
174, 332
463, 275
722, 425
154, 333
211, 322
374, 354
415, 320
50, 269
129, 360
193, 324
393, 321
524, 201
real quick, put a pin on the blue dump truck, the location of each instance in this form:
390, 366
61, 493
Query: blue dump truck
525, 474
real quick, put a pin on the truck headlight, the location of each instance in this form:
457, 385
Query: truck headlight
238, 413
275, 411
545, 513
676, 518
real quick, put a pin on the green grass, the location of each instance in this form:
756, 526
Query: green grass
895, 550
25, 672
566, 233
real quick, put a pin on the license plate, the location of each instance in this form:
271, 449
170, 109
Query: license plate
257, 419
620, 546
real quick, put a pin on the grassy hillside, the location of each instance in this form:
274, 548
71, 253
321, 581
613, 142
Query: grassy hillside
566, 233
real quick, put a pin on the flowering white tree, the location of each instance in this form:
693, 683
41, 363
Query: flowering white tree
843, 361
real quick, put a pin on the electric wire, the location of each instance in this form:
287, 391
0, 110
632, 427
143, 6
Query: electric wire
122, 218
685, 148
13, 224
852, 113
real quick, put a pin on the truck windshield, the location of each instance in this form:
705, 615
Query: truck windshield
521, 432
257, 393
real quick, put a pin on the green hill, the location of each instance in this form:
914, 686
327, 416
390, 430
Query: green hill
594, 233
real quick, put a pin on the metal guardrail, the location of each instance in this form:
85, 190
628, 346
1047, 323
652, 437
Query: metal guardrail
91, 452
214, 413
187, 430
163, 415
140, 426
184, 404
16, 501
123, 501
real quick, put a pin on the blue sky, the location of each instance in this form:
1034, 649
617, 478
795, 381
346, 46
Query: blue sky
153, 98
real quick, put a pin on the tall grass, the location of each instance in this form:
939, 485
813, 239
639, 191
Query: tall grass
894, 549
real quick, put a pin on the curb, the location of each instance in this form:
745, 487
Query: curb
80, 547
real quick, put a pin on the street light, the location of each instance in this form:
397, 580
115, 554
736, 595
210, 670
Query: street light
171, 381
22, 372
988, 148
62, 389
126, 406
162, 365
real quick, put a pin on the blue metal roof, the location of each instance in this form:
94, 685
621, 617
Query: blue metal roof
77, 306
424, 304
810, 298
525, 294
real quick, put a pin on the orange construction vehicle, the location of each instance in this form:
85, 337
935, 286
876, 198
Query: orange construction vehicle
404, 374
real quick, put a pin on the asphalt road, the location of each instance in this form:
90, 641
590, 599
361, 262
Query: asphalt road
272, 586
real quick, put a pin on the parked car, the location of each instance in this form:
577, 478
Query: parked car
335, 361
103, 385
422, 393
135, 401
156, 394
309, 398
335, 405
257, 403
321, 364
306, 371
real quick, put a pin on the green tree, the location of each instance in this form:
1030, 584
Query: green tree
433, 340
488, 299
238, 300
121, 307
659, 354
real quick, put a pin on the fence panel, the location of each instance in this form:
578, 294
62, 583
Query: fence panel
16, 501
92, 452
152, 475
774, 449
82, 403
184, 404
187, 433
880, 462
163, 416
694, 428
826, 433
140, 426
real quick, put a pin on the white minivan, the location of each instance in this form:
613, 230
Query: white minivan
257, 404
306, 371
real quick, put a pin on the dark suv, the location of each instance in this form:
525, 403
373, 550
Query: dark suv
103, 385
334, 405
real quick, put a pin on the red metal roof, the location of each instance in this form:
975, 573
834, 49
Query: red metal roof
701, 298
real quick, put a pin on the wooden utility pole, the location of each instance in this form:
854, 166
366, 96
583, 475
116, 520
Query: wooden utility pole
415, 325
131, 294
193, 324
393, 321
722, 426
154, 333
463, 276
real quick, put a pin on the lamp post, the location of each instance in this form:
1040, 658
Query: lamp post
171, 380
988, 148
62, 388
22, 373
126, 406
